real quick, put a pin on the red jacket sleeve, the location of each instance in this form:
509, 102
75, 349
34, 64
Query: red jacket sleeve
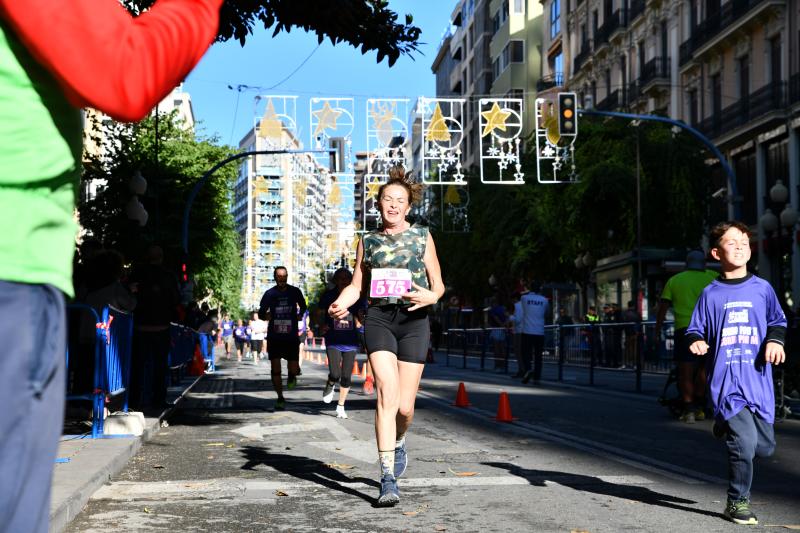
106, 59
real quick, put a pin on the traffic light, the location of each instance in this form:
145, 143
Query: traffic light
184, 272
567, 114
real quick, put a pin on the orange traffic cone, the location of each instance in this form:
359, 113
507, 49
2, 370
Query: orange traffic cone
326, 361
369, 386
197, 366
319, 359
364, 370
504, 409
461, 396
356, 371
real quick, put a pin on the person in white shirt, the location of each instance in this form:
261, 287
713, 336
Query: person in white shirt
535, 310
257, 336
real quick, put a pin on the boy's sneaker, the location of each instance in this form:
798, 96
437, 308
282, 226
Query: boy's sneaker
327, 394
719, 429
291, 382
340, 412
389, 495
280, 404
739, 512
400, 460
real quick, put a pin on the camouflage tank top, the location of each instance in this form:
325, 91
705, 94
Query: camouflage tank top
402, 250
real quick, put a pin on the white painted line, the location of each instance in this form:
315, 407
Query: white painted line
600, 449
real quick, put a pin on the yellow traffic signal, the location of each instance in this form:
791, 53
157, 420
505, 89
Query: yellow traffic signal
567, 114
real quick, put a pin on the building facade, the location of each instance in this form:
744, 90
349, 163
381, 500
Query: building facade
279, 207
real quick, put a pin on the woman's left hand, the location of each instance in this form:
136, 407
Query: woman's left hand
420, 297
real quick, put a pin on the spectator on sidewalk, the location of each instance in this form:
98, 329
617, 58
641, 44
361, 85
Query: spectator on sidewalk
681, 293
497, 322
94, 55
158, 297
632, 321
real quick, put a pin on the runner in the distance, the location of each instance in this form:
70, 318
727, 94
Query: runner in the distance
282, 306
390, 262
227, 335
341, 342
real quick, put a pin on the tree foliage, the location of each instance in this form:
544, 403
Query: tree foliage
171, 170
537, 231
366, 24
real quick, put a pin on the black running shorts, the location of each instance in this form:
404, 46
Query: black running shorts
283, 349
394, 329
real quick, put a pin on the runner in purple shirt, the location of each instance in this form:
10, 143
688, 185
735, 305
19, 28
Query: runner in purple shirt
739, 323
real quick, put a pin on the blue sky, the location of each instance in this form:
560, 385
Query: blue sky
331, 71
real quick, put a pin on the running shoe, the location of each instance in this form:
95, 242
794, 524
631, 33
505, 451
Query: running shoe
327, 394
700, 415
340, 412
400, 460
291, 383
389, 495
687, 416
737, 511
280, 404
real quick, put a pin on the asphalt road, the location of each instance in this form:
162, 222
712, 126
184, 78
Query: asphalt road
575, 459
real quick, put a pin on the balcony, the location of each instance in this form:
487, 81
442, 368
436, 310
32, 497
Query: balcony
617, 20
610, 102
580, 59
771, 97
550, 81
685, 52
729, 18
655, 74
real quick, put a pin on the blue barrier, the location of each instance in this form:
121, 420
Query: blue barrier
207, 349
181, 351
111, 347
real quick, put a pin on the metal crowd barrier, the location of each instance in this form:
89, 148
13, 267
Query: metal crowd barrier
112, 345
181, 351
628, 346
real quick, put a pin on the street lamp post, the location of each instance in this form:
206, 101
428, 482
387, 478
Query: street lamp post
772, 223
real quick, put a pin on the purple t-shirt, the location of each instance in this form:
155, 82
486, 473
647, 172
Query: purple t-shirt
342, 334
733, 318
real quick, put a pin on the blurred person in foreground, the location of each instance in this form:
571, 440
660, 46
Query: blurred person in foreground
91, 53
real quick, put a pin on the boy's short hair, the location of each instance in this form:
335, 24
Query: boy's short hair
720, 229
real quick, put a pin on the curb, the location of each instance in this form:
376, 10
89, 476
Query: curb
61, 517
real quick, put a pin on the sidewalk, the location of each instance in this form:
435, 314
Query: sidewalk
83, 464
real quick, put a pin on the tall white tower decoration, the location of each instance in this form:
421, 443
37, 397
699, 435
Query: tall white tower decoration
500, 121
442, 138
387, 132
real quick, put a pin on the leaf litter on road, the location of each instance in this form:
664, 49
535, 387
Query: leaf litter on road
462, 474
280, 493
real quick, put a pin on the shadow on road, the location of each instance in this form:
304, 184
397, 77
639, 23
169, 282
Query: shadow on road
598, 486
306, 469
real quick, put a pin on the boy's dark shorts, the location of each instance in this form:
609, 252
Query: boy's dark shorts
283, 349
681, 353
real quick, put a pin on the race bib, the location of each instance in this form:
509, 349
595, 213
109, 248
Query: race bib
389, 282
282, 326
345, 324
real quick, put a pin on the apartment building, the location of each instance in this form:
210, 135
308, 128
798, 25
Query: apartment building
279, 204
729, 68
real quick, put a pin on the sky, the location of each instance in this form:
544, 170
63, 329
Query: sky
332, 71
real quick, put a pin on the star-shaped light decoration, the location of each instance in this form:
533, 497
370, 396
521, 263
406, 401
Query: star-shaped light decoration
270, 126
327, 118
382, 122
437, 131
495, 119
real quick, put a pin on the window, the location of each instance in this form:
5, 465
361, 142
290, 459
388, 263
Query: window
557, 66
744, 78
775, 60
716, 95
505, 58
517, 51
584, 38
495, 69
519, 6
555, 18
496, 23
693, 107
504, 12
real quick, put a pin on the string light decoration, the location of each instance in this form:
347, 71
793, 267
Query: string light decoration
500, 121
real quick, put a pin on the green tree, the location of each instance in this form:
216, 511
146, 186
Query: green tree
366, 24
214, 260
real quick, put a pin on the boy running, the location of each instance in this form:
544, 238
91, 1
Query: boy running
739, 323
